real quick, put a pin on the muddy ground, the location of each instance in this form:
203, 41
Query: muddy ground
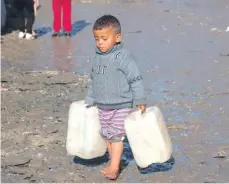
182, 48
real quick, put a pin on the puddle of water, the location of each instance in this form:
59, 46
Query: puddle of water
176, 148
218, 138
182, 158
194, 114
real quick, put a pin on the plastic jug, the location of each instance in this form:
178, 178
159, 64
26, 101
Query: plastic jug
148, 137
83, 137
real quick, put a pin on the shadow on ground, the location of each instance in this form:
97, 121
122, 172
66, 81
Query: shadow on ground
126, 159
158, 167
42, 31
76, 28
79, 26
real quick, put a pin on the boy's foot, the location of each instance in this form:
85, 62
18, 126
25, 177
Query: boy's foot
56, 34
29, 36
67, 34
110, 173
21, 35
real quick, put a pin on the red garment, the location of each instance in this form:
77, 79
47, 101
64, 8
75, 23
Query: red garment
58, 6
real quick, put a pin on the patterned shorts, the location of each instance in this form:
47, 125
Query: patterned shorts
112, 124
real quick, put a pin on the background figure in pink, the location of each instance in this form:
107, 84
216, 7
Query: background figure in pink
59, 6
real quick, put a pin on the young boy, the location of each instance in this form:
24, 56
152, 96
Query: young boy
57, 6
115, 87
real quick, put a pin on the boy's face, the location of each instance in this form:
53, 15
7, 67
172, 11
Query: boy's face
106, 38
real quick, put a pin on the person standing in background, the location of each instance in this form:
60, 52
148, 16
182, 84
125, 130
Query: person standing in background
36, 6
59, 6
25, 27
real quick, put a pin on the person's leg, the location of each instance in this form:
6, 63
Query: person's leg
116, 151
109, 148
35, 8
104, 124
20, 5
35, 5
67, 20
116, 131
30, 15
56, 7
112, 170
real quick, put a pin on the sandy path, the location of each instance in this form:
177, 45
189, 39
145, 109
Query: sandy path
182, 49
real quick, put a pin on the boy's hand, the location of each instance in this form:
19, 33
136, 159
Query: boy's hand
88, 106
141, 108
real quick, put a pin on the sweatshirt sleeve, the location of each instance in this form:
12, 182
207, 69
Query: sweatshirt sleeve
135, 80
89, 99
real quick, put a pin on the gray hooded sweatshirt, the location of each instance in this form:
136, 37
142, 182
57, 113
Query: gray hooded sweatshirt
115, 81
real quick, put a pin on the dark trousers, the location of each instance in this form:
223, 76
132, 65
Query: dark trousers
21, 6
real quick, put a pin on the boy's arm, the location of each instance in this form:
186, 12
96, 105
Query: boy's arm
135, 81
89, 99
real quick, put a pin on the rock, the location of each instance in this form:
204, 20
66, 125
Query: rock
220, 154
55, 131
53, 166
28, 176
177, 127
18, 170
38, 141
203, 163
216, 30
227, 30
17, 160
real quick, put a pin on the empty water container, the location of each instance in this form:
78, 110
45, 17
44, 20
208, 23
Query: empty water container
148, 137
83, 137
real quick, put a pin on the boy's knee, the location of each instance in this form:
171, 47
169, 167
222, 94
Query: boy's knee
116, 139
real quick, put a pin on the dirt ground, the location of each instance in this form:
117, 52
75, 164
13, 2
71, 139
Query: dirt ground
182, 50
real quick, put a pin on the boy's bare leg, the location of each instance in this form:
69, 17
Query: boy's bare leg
110, 154
109, 148
112, 170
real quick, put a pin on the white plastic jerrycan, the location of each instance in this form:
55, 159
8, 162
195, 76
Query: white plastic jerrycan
148, 137
83, 137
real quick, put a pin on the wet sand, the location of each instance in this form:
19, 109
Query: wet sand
182, 49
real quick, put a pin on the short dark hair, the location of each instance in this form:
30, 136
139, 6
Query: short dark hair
107, 21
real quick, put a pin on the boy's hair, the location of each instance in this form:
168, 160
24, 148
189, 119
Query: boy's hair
107, 21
